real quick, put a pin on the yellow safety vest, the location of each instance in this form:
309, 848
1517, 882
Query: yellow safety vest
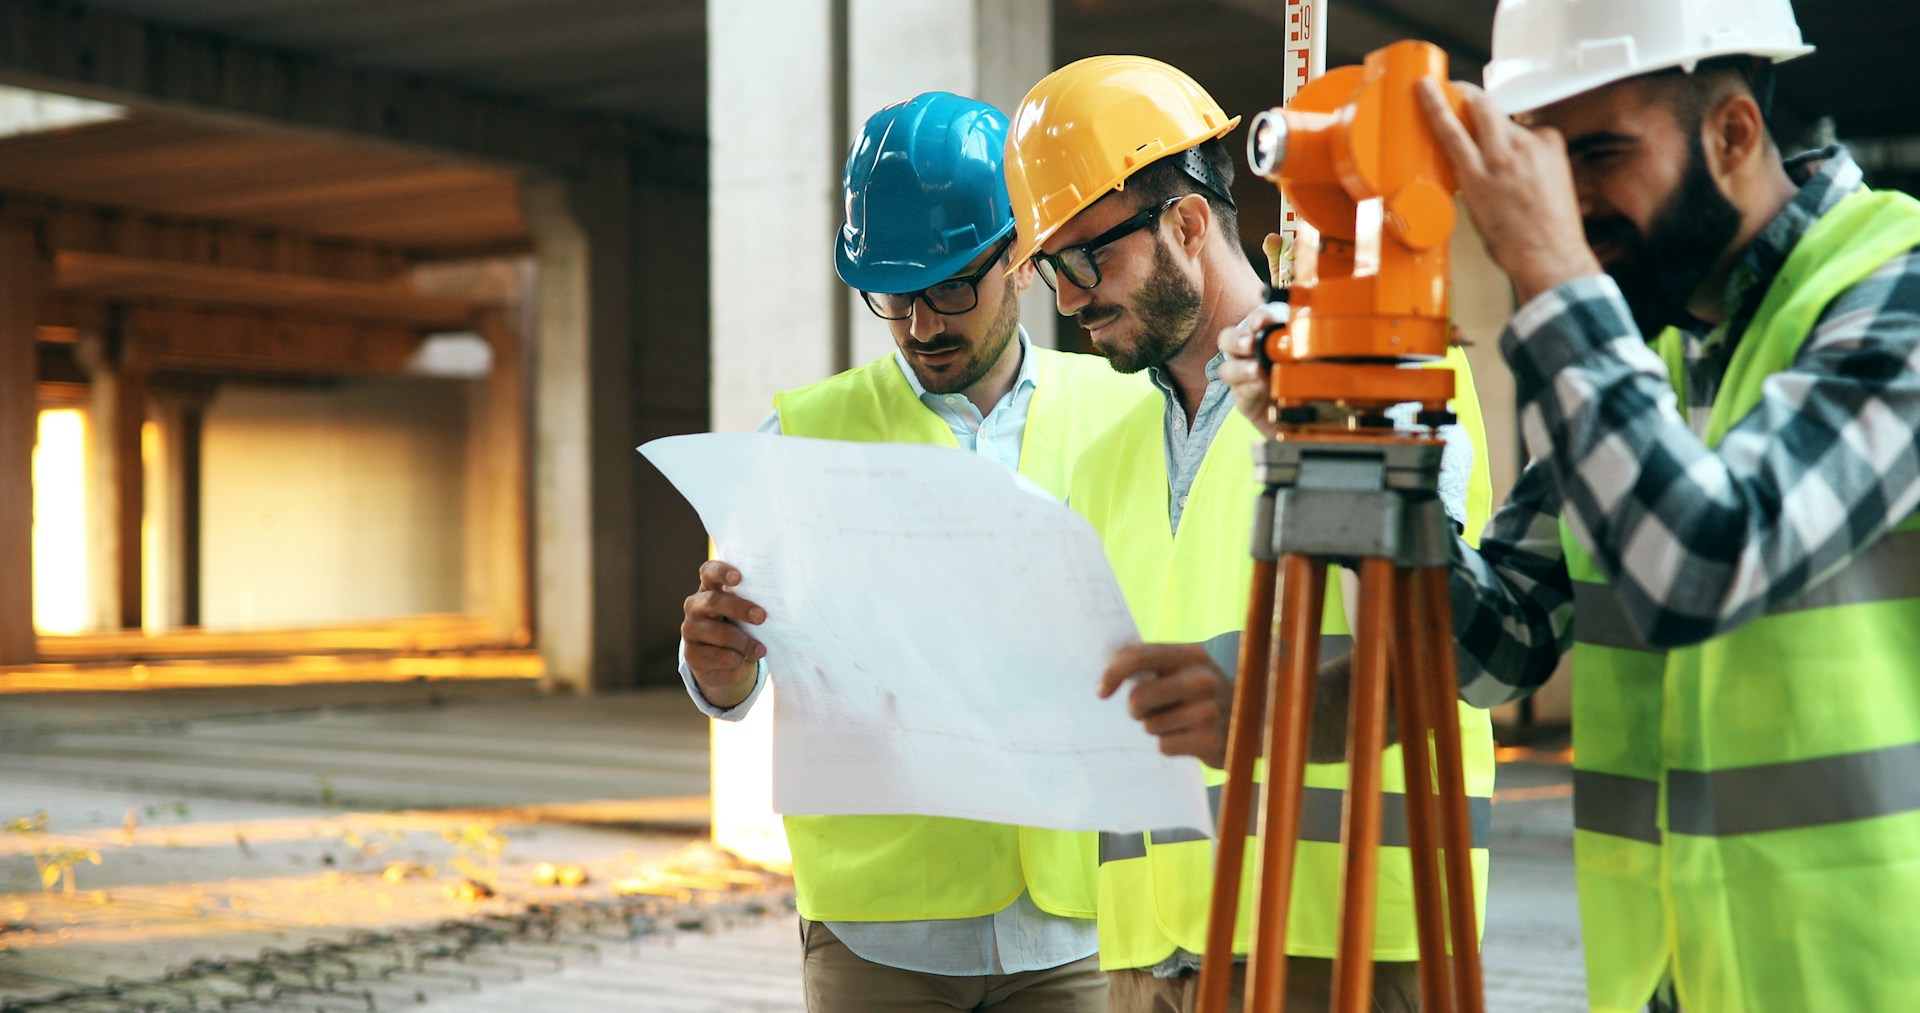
1191, 586
1747, 809
916, 868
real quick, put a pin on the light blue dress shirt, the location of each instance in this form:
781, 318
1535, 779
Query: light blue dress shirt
1019, 937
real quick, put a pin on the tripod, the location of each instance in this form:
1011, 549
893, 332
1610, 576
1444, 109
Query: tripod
1369, 497
1341, 485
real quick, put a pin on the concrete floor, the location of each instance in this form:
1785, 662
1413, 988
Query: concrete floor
230, 820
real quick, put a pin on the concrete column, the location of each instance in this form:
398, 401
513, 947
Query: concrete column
992, 50
779, 313
618, 355
582, 505
23, 272
116, 477
497, 504
562, 489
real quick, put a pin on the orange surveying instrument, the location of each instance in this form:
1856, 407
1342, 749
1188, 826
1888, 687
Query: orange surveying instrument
1341, 484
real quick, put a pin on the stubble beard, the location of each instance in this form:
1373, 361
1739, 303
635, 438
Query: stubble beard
1166, 309
999, 335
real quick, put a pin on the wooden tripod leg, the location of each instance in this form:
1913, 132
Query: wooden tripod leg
1295, 665
1423, 848
1236, 798
1434, 612
1366, 735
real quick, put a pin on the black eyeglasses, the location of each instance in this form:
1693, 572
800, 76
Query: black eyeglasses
949, 298
1078, 264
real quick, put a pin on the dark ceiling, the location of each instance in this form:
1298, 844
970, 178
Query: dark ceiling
646, 60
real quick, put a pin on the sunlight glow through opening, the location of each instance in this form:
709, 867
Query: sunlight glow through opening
60, 522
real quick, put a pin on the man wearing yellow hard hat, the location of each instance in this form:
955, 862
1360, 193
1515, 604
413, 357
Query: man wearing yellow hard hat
1121, 185
1715, 361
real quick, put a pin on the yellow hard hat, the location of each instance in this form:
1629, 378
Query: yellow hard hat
1091, 124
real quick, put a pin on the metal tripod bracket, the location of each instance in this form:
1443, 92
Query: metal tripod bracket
1347, 499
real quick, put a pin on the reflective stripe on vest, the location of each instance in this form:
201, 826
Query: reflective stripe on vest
1321, 810
1191, 587
1884, 572
875, 868
1747, 809
1751, 800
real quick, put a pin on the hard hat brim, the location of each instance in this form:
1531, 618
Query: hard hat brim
1527, 92
894, 277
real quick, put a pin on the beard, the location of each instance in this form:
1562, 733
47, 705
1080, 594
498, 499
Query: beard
1167, 308
1658, 272
970, 370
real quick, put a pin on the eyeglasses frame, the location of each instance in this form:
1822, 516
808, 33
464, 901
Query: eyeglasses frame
1050, 264
972, 280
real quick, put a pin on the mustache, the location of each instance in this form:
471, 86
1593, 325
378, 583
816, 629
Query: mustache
1613, 229
1096, 316
935, 346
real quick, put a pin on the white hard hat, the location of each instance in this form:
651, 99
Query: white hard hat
1548, 50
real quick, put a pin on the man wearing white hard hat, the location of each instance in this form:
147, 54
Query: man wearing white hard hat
1714, 358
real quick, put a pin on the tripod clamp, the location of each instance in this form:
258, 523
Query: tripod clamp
1350, 498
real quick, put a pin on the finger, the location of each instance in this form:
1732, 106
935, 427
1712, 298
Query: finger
715, 575
1147, 659
1494, 131
724, 605
1275, 248
1448, 131
709, 665
1236, 342
1171, 692
714, 634
1202, 745
1272, 314
1126, 663
1237, 373
1195, 716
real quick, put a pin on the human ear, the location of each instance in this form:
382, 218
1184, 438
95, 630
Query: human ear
1733, 134
1192, 220
1023, 275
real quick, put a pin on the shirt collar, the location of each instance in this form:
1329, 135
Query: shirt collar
1826, 177
1028, 375
1162, 380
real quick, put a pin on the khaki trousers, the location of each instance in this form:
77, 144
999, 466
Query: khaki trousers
838, 981
1396, 988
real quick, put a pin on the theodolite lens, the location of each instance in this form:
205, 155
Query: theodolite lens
1267, 143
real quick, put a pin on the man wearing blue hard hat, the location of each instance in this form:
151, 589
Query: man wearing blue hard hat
917, 912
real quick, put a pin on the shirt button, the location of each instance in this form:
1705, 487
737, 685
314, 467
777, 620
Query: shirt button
1183, 502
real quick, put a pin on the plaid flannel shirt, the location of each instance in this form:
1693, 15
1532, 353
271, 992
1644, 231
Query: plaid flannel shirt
1696, 540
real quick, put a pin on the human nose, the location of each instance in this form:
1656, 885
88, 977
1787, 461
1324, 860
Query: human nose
1068, 297
925, 322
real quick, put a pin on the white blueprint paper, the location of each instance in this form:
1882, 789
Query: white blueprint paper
936, 628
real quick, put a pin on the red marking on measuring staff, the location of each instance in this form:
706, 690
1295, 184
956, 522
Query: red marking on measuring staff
1305, 59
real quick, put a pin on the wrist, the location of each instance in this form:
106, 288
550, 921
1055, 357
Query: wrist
728, 690
1540, 274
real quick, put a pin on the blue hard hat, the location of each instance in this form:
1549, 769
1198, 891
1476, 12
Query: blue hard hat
924, 193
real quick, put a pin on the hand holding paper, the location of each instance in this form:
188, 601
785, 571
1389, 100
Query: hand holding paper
937, 631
